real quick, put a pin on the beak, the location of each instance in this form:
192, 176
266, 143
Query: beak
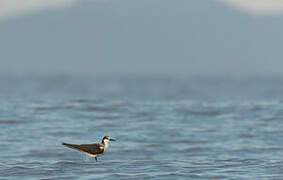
112, 140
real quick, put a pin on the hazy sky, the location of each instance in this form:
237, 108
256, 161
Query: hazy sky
236, 37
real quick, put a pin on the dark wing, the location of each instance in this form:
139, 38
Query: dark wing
86, 148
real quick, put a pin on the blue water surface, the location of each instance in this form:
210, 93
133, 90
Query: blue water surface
165, 127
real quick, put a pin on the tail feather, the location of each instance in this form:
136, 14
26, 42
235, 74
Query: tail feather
73, 146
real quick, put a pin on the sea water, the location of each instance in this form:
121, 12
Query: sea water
165, 127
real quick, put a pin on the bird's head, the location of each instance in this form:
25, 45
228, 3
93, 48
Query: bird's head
106, 139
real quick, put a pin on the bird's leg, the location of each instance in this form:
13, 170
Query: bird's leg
95, 158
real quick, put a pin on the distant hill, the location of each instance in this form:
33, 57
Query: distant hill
126, 36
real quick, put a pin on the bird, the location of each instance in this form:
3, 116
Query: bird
92, 150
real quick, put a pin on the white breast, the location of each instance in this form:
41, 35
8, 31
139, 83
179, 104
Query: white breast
105, 148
